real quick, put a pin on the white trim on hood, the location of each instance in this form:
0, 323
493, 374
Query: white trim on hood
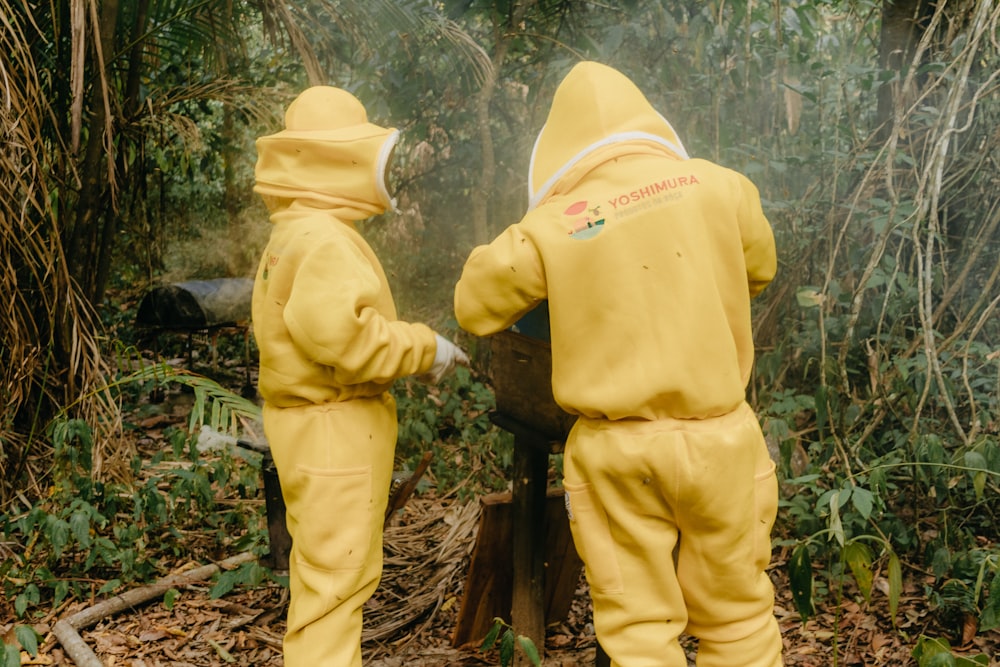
536, 197
380, 166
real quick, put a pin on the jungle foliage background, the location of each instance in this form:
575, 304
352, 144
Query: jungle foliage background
872, 129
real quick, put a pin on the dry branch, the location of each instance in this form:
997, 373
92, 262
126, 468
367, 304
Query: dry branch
66, 629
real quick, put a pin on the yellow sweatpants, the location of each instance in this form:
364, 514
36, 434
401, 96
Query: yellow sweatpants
335, 464
635, 490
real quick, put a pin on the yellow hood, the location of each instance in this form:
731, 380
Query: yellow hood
327, 153
597, 114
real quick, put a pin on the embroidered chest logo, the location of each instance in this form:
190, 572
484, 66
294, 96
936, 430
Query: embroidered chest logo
585, 221
272, 261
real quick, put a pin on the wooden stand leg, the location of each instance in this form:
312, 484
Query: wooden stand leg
249, 391
528, 497
215, 350
602, 658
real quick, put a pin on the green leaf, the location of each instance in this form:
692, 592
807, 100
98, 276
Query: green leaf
507, 648
989, 619
800, 577
227, 581
59, 592
808, 297
222, 652
978, 462
30, 596
170, 597
933, 652
859, 559
819, 401
863, 501
109, 586
27, 638
491, 637
530, 650
941, 562
11, 656
57, 531
836, 527
929, 647
895, 585
979, 485
975, 460
79, 526
804, 479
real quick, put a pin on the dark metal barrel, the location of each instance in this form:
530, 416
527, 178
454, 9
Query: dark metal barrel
196, 304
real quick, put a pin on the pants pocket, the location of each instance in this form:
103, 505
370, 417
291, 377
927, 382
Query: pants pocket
765, 512
335, 523
592, 536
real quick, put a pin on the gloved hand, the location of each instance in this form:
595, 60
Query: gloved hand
445, 357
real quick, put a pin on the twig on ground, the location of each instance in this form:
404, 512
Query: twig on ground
66, 630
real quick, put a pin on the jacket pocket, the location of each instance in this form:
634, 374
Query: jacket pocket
335, 527
765, 511
589, 524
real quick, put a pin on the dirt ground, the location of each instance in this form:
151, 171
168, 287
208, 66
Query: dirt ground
411, 619
410, 628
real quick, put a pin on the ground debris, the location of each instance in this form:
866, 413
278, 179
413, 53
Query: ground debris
411, 618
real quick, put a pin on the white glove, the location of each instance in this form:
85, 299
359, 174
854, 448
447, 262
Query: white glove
445, 357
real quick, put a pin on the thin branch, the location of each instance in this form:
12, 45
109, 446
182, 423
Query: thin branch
66, 630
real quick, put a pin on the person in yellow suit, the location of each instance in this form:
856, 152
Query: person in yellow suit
330, 347
648, 261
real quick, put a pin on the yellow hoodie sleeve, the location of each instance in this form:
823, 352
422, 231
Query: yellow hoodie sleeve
500, 282
333, 317
758, 239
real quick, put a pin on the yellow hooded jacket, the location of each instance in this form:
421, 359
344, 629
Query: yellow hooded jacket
323, 316
648, 260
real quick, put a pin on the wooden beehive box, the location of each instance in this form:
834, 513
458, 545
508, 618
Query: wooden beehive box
521, 372
488, 590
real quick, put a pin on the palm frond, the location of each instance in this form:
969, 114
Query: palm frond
215, 406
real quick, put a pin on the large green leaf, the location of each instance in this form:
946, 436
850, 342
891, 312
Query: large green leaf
859, 560
895, 585
800, 577
529, 649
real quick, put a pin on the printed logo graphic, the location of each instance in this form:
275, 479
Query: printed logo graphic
584, 222
271, 262
653, 191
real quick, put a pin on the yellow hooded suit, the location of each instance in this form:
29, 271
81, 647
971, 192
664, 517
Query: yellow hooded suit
330, 347
648, 260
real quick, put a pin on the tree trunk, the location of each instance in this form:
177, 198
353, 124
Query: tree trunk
231, 201
487, 177
901, 29
130, 108
503, 27
84, 247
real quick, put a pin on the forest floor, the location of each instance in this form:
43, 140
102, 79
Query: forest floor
411, 620
244, 627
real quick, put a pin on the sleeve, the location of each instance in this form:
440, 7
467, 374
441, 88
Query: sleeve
500, 282
332, 316
758, 240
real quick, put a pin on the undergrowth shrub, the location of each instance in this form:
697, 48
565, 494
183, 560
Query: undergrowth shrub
181, 504
471, 454
184, 503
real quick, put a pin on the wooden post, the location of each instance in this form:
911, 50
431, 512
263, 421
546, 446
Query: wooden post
490, 582
531, 463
